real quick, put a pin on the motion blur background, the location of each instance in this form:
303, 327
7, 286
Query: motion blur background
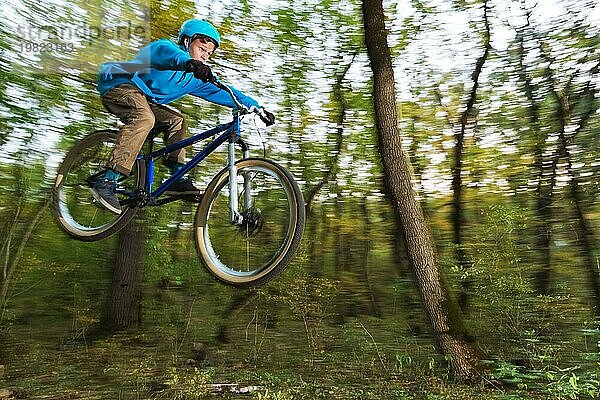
344, 321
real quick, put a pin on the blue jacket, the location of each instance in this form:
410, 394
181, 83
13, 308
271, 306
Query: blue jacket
159, 71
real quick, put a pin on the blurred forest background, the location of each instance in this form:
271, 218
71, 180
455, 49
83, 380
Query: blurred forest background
498, 109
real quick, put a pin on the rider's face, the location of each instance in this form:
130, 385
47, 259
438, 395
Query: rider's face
201, 49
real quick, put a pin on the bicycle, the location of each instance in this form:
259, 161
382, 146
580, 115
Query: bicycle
248, 224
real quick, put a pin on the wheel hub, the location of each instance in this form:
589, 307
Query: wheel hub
252, 222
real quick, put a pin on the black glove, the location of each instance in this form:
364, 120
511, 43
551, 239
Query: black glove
200, 70
267, 117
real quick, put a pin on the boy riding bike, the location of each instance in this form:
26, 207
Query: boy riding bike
136, 91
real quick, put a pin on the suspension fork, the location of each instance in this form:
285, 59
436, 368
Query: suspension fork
235, 217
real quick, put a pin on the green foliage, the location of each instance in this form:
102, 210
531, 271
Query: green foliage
512, 374
188, 384
310, 300
84, 311
567, 384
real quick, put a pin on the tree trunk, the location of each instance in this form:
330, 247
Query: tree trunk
123, 307
585, 238
365, 262
241, 299
340, 117
457, 185
443, 312
11, 255
342, 262
312, 229
545, 176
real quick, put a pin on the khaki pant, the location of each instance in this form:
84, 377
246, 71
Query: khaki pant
139, 116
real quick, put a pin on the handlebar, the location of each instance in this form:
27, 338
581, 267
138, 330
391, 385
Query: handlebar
226, 88
242, 109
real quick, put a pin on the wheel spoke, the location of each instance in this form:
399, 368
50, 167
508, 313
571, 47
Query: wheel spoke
256, 252
75, 209
269, 234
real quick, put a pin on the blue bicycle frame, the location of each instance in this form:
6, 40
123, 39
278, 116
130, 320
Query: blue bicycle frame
228, 132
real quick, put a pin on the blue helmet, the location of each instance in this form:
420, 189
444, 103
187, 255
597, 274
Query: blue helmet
193, 27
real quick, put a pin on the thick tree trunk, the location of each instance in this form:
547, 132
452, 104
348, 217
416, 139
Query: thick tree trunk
123, 307
443, 312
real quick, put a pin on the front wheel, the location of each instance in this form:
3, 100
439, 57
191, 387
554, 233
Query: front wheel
255, 250
75, 209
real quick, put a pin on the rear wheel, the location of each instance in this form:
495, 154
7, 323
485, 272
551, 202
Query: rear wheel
74, 207
262, 245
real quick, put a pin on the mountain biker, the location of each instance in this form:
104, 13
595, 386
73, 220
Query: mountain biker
136, 91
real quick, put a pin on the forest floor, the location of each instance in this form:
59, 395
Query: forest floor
143, 366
